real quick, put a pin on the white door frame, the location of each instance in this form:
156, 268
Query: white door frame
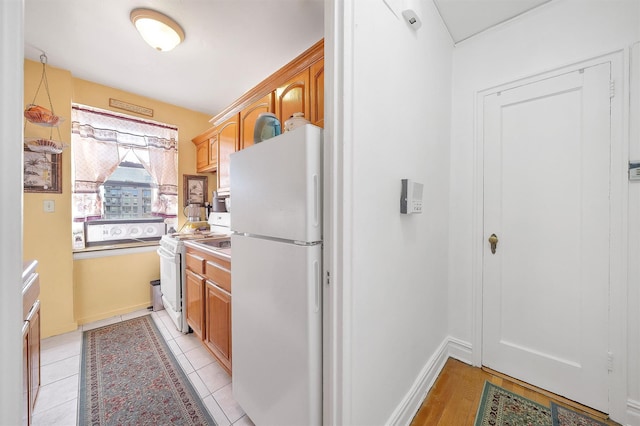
11, 106
618, 212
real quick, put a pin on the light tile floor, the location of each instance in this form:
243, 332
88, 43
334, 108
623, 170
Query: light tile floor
57, 402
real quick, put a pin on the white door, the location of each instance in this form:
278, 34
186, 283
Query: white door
546, 199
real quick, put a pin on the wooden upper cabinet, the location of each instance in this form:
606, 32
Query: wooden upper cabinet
293, 96
248, 117
213, 152
206, 151
202, 155
316, 75
228, 140
296, 87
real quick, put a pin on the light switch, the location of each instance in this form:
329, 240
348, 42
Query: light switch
49, 206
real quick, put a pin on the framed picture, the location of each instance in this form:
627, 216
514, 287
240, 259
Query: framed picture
194, 189
42, 172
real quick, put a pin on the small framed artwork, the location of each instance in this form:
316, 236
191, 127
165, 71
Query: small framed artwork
42, 172
194, 189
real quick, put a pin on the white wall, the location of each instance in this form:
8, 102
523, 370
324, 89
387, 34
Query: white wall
559, 33
11, 76
396, 100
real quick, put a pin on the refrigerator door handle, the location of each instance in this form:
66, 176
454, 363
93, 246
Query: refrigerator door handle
316, 200
317, 287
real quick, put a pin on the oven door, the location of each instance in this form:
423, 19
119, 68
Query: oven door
170, 279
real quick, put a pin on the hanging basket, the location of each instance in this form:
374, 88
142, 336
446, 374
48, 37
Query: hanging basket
46, 146
42, 116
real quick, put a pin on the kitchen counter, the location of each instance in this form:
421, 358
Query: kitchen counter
209, 246
30, 286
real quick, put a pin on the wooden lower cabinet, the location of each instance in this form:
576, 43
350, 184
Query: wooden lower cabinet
218, 320
30, 339
195, 308
208, 306
31, 362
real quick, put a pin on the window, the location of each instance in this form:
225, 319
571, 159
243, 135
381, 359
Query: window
124, 177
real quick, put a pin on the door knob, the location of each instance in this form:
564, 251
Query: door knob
493, 240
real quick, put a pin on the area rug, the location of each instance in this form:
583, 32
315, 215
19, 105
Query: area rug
499, 407
563, 416
129, 376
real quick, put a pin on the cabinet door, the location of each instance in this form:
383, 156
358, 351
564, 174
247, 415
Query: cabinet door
202, 156
213, 153
206, 151
25, 374
316, 74
218, 323
248, 117
293, 96
34, 355
194, 302
228, 138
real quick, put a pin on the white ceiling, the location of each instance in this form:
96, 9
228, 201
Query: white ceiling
466, 18
230, 45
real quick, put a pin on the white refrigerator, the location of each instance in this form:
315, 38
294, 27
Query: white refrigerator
276, 304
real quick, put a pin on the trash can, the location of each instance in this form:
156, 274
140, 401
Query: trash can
156, 295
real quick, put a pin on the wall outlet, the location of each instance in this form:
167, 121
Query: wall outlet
49, 206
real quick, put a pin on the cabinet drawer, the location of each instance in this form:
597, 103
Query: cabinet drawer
195, 263
219, 275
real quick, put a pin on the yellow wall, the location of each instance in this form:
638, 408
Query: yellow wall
87, 290
110, 286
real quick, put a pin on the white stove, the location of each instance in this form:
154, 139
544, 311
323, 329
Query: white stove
172, 266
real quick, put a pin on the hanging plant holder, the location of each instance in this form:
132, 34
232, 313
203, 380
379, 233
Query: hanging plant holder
42, 116
45, 117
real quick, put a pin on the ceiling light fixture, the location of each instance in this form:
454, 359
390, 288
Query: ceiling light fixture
158, 30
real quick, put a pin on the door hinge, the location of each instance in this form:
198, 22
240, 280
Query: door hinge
610, 361
328, 278
612, 88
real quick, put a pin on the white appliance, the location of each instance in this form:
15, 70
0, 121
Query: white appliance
219, 222
172, 268
276, 187
172, 282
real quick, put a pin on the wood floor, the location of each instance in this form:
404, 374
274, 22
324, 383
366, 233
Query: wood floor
453, 400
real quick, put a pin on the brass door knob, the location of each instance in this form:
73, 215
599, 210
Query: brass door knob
493, 240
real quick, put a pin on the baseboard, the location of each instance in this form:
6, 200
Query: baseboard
460, 350
408, 407
73, 326
112, 313
633, 413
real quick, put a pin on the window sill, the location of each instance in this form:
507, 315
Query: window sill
115, 250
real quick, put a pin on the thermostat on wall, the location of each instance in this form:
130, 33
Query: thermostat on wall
634, 171
411, 197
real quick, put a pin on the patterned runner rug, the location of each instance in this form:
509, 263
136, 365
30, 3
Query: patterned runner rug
499, 407
129, 376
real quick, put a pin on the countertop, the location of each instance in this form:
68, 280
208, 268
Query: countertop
28, 268
224, 253
30, 286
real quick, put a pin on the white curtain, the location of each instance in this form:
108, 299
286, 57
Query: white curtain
101, 139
